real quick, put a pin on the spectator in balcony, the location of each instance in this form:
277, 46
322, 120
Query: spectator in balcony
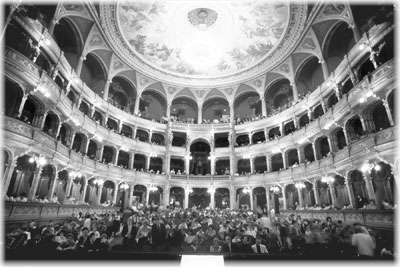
22, 198
371, 205
360, 202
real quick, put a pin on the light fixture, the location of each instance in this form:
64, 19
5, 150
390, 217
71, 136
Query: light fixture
367, 167
299, 185
124, 186
246, 190
327, 179
191, 190
39, 160
211, 191
98, 181
75, 174
275, 189
153, 155
153, 188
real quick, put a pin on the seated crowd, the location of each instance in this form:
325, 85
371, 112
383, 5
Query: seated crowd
174, 230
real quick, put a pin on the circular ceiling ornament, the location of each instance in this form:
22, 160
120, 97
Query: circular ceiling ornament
202, 17
242, 39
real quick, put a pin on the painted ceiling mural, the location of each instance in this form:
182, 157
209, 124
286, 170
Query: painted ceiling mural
203, 38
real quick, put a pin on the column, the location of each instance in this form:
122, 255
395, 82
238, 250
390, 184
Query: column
69, 186
8, 177
99, 191
333, 195
85, 185
41, 119
187, 163
337, 88
330, 144
72, 140
300, 154
199, 114
356, 32
301, 201
54, 182
295, 91
282, 128
52, 25
114, 201
35, 183
346, 137
231, 112
325, 69
115, 157
212, 198
267, 196
263, 107
78, 68
186, 201
212, 162
252, 170
232, 198
364, 124
250, 138
106, 89
369, 186
137, 102
350, 193
131, 160
388, 113
268, 159
323, 105
21, 106
131, 188
147, 194
285, 163
166, 195
284, 197
316, 154
58, 129
310, 114
316, 195
251, 199
148, 163
99, 153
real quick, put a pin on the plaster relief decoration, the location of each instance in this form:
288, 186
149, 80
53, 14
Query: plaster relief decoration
203, 38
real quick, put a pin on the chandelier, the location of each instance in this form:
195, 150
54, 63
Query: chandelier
274, 189
299, 185
367, 167
124, 186
327, 179
153, 188
202, 17
39, 160
246, 190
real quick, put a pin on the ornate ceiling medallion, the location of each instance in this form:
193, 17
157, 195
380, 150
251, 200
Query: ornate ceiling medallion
202, 18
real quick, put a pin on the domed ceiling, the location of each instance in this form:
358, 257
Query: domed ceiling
203, 43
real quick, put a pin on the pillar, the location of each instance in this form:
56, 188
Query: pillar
316, 195
148, 163
263, 107
187, 163
250, 138
346, 136
284, 197
21, 106
79, 65
199, 114
166, 196
356, 32
212, 199
350, 193
301, 201
268, 159
137, 102
316, 154
85, 185
106, 89
232, 198
295, 91
131, 160
251, 199
130, 196
333, 195
114, 201
369, 186
8, 177
115, 157
35, 183
99, 190
231, 112
267, 196
252, 170
186, 201
41, 119
69, 186
282, 128
212, 162
99, 153
300, 154
285, 163
147, 194
53, 185
388, 113
325, 69
52, 25
310, 114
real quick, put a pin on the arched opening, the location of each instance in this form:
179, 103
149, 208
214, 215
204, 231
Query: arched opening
309, 76
77, 188
347, 85
84, 108
29, 111
243, 166
221, 140
247, 106
22, 178
277, 162
142, 135
304, 120
289, 128
242, 140
152, 106
157, 138
122, 94
177, 166
12, 99
323, 146
139, 162
77, 143
65, 131
200, 163
123, 159
243, 199
279, 96
366, 68
324, 193
332, 100
354, 129
156, 165
155, 196
92, 150
292, 197
51, 124
318, 111
258, 137
342, 197
260, 164
293, 157
222, 198
97, 117
357, 183
308, 195
46, 180
341, 139
274, 133
379, 115
108, 154
61, 188
215, 110
179, 139
383, 185
112, 125
177, 196
309, 153
91, 192
107, 193
184, 110
94, 74
200, 198
259, 199
66, 37
126, 131
222, 167
72, 96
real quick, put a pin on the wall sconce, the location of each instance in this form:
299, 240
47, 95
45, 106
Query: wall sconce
153, 188
98, 181
274, 189
367, 167
299, 185
39, 160
327, 179
124, 186
246, 190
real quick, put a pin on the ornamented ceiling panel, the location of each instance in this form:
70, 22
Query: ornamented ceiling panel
203, 43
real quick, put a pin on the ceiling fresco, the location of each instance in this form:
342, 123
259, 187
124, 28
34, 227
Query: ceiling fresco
203, 38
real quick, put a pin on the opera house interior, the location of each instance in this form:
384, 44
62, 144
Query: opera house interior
158, 129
